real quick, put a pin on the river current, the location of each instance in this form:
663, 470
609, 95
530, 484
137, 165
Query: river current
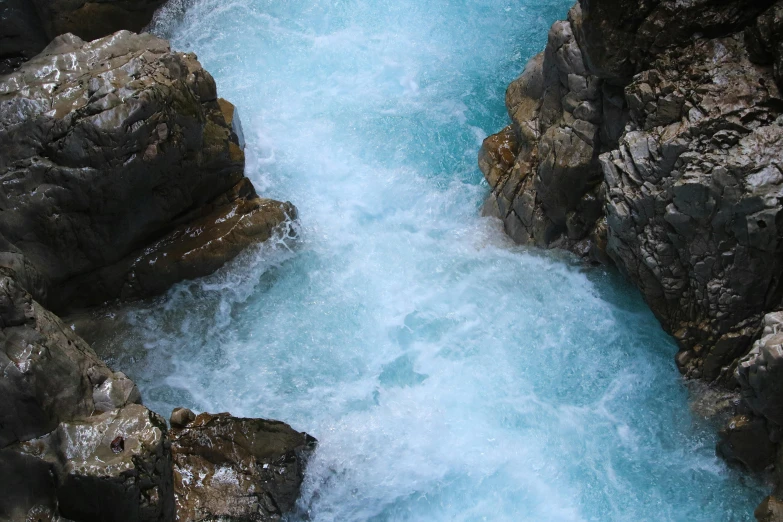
447, 373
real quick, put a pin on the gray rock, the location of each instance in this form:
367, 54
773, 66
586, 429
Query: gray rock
237, 469
547, 196
115, 466
48, 374
692, 199
122, 172
181, 417
622, 37
760, 373
26, 26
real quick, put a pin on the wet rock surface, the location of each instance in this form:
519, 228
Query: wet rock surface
118, 154
26, 26
122, 174
649, 134
112, 466
47, 373
228, 468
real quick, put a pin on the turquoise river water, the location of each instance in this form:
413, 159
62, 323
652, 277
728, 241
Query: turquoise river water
447, 373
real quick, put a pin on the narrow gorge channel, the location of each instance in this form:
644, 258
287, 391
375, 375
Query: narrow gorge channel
447, 373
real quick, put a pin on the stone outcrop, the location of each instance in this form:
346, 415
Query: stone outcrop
760, 373
115, 466
121, 172
26, 26
649, 134
62, 410
544, 169
238, 469
48, 374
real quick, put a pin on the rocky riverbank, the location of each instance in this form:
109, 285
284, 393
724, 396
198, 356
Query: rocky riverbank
122, 173
649, 135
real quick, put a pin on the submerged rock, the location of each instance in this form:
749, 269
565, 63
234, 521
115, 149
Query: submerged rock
238, 469
122, 174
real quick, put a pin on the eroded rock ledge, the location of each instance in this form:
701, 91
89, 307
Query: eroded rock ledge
121, 173
649, 134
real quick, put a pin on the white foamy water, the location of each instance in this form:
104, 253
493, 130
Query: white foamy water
448, 374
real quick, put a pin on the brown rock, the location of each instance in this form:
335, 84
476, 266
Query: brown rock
181, 417
745, 441
242, 469
127, 176
770, 510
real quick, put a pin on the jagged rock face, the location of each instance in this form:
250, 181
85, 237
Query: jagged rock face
622, 37
48, 374
116, 153
693, 198
237, 469
115, 466
760, 373
544, 169
690, 151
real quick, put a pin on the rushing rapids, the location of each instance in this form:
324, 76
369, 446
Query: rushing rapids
447, 374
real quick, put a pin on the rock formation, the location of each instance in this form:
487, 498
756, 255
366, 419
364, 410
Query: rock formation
238, 469
122, 174
649, 134
26, 26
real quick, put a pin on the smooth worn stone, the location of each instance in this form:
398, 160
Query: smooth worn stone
48, 374
181, 417
770, 510
115, 466
110, 147
237, 469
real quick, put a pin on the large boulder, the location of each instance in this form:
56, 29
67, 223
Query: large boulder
112, 467
117, 153
48, 374
679, 103
228, 468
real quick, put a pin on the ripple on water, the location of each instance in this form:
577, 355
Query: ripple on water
448, 374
